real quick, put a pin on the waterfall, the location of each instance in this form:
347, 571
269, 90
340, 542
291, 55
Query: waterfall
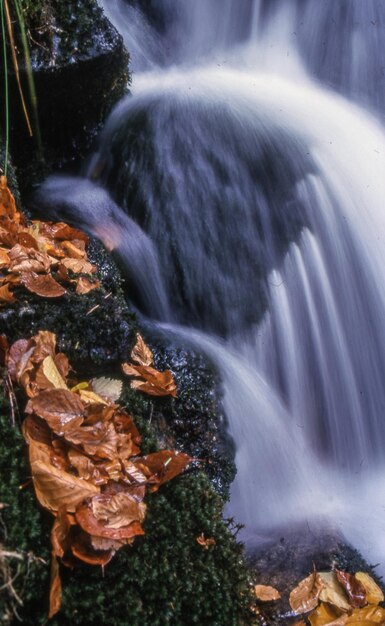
252, 152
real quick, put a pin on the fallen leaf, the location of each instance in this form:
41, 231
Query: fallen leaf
90, 397
58, 407
28, 260
56, 489
42, 285
84, 285
7, 201
48, 376
88, 522
60, 533
333, 592
304, 597
83, 549
118, 510
327, 615
55, 592
354, 588
205, 543
6, 296
99, 441
153, 383
109, 388
165, 465
4, 259
265, 593
374, 594
141, 353
367, 616
73, 250
76, 266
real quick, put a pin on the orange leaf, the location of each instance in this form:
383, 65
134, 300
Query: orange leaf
165, 465
6, 296
327, 615
155, 383
205, 543
304, 597
88, 522
84, 285
58, 407
141, 353
56, 488
4, 259
265, 593
28, 260
83, 549
60, 533
56, 588
44, 286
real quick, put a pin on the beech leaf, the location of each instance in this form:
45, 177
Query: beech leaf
56, 588
42, 285
374, 594
367, 616
141, 353
56, 488
333, 591
304, 597
109, 388
59, 407
327, 615
354, 588
266, 593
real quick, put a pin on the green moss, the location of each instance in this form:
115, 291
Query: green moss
165, 579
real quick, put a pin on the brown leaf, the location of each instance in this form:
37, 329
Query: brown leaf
27, 240
7, 202
4, 350
100, 440
76, 266
63, 232
327, 615
58, 407
165, 465
84, 285
265, 593
48, 376
154, 383
4, 259
6, 296
74, 249
141, 353
28, 260
83, 549
118, 510
333, 592
44, 285
56, 588
86, 469
367, 616
88, 522
374, 594
55, 488
304, 597
354, 589
60, 533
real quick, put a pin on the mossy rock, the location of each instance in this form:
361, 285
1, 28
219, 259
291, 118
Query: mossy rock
166, 578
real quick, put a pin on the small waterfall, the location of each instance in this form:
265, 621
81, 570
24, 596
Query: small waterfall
252, 153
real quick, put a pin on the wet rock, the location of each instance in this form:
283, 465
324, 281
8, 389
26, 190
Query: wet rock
195, 421
80, 69
286, 561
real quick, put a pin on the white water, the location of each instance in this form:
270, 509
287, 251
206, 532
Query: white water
305, 380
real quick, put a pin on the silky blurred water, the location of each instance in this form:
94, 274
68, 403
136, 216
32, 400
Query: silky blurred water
252, 153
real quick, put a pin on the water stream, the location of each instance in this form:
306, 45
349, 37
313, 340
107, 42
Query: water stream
252, 153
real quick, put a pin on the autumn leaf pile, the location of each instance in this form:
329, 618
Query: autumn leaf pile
84, 451
333, 598
43, 257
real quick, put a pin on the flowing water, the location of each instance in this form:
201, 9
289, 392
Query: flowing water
252, 152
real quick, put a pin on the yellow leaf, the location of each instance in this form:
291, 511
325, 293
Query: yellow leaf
326, 615
265, 593
82, 385
52, 373
332, 592
367, 616
90, 397
304, 597
374, 594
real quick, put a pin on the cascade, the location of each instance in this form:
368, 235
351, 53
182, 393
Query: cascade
252, 153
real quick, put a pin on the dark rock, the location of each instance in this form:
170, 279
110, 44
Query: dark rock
284, 563
195, 421
80, 70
